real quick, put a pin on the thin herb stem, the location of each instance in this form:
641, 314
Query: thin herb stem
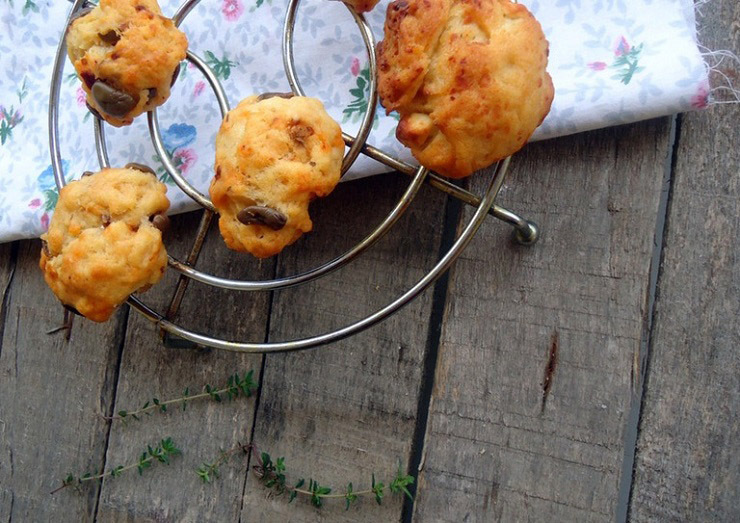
235, 386
151, 407
160, 453
329, 496
272, 474
102, 474
208, 471
226, 455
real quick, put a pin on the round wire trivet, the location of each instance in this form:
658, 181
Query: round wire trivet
525, 231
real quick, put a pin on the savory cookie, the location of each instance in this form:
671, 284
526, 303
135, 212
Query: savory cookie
274, 154
127, 55
467, 77
104, 240
362, 6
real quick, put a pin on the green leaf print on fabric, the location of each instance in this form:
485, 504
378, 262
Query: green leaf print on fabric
626, 61
358, 106
28, 6
51, 196
221, 68
11, 118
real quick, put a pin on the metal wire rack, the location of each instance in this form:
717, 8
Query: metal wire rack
175, 335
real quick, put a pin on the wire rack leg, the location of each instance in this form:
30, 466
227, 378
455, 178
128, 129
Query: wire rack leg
168, 340
526, 232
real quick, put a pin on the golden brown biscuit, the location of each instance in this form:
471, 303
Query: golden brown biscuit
273, 156
127, 55
362, 6
102, 245
467, 77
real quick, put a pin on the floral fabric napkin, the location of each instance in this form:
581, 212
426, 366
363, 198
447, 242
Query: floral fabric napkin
612, 62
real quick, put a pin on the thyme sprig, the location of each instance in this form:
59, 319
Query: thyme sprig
272, 474
235, 386
208, 472
161, 453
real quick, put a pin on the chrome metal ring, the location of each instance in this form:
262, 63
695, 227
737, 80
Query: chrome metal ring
290, 281
289, 63
306, 343
365, 128
169, 166
357, 145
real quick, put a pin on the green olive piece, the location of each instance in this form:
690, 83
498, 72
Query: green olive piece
265, 96
262, 215
112, 101
140, 167
110, 37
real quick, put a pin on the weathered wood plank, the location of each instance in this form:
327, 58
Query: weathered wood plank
534, 379
51, 392
341, 412
175, 493
688, 454
7, 267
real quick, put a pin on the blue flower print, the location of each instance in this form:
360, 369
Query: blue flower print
177, 136
49, 187
175, 139
46, 179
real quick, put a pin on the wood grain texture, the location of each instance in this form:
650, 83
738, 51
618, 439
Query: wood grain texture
688, 454
51, 392
8, 261
7, 269
348, 409
534, 380
175, 493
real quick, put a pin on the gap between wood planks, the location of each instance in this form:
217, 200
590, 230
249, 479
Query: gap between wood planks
641, 361
453, 213
639, 366
121, 343
258, 393
120, 339
13, 261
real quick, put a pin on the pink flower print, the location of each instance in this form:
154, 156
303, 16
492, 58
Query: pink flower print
597, 66
81, 97
622, 48
198, 90
13, 117
701, 99
184, 159
8, 121
45, 221
35, 203
232, 9
355, 67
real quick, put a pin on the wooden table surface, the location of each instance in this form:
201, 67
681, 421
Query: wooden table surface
592, 377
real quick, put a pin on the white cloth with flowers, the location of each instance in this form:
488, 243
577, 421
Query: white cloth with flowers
612, 62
